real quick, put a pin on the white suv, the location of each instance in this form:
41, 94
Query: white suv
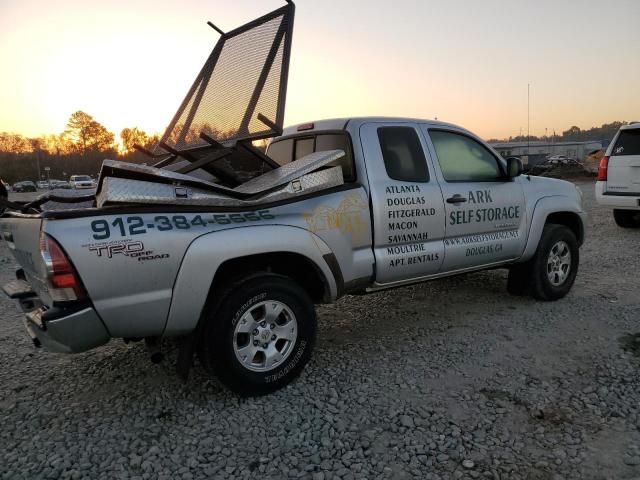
618, 184
81, 181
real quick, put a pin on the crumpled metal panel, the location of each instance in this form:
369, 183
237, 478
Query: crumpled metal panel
263, 183
50, 200
312, 182
123, 190
123, 167
289, 172
54, 206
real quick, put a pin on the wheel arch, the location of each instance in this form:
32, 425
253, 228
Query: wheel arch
554, 209
293, 265
571, 220
284, 250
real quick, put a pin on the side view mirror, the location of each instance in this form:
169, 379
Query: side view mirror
514, 167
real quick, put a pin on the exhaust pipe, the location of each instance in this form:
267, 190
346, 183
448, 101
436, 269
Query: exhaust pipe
153, 347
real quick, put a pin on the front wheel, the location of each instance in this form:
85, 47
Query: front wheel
550, 274
627, 218
555, 264
261, 336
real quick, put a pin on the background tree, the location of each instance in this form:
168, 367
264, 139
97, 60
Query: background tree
88, 134
133, 136
11, 142
57, 144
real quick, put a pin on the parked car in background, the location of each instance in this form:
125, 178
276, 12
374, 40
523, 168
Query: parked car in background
81, 181
59, 184
618, 184
43, 184
555, 159
26, 186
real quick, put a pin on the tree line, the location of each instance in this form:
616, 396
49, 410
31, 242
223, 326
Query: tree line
603, 133
78, 150
85, 143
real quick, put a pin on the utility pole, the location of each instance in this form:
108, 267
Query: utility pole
528, 118
38, 155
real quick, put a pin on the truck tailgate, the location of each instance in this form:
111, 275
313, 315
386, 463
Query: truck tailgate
624, 174
22, 235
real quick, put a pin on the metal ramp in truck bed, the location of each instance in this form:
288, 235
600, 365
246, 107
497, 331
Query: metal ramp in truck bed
206, 155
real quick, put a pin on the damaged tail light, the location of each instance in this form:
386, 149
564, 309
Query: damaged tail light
64, 284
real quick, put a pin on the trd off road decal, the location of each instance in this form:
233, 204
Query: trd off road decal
125, 248
348, 217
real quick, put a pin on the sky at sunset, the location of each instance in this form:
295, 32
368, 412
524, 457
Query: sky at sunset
130, 62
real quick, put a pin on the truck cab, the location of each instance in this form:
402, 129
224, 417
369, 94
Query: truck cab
442, 201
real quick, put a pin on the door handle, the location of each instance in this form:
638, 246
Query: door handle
457, 198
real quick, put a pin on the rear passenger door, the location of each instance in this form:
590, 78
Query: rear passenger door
485, 211
407, 206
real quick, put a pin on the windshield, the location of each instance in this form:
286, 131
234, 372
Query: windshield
81, 178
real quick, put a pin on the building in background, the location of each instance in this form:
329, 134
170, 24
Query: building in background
533, 153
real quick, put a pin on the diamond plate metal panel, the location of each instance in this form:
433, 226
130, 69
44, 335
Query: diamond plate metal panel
289, 172
123, 190
263, 183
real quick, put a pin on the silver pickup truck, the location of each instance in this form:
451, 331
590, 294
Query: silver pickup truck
415, 200
228, 248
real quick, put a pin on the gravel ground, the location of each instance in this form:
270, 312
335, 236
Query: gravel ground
451, 379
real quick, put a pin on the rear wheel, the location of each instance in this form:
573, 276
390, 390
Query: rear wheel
627, 218
261, 336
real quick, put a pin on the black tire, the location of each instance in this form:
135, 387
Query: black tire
627, 218
218, 347
541, 286
531, 278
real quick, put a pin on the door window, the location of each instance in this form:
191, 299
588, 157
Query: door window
462, 159
403, 155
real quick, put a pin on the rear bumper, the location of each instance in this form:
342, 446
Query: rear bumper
74, 333
63, 330
616, 200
